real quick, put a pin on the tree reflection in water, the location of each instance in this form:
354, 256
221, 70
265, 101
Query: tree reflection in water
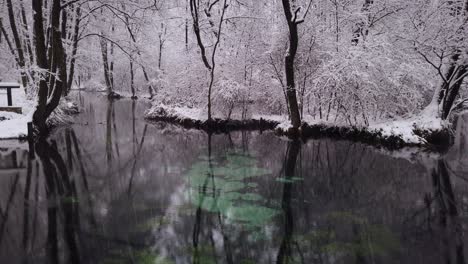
156, 194
62, 198
285, 254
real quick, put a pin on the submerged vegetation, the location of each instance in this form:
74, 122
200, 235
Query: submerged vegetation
133, 192
226, 187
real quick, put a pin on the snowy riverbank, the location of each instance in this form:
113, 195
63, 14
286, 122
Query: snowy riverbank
416, 131
15, 126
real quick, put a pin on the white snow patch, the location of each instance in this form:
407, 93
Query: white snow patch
179, 112
405, 128
16, 125
15, 128
284, 126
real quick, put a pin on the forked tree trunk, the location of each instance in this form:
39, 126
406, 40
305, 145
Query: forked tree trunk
39, 117
49, 94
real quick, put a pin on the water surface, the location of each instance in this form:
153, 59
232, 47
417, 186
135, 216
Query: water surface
114, 189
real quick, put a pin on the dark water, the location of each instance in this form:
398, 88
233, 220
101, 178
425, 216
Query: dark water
114, 189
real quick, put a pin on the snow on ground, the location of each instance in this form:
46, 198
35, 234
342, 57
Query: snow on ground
180, 113
15, 125
405, 129
197, 114
275, 118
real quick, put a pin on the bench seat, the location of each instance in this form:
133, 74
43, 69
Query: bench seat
12, 109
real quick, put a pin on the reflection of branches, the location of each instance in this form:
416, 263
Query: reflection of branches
448, 214
4, 214
135, 158
456, 173
59, 189
26, 205
83, 173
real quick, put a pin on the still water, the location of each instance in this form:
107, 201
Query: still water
114, 189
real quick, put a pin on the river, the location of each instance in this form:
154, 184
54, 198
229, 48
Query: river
112, 188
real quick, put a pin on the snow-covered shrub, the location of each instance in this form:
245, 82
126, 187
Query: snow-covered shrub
366, 83
229, 95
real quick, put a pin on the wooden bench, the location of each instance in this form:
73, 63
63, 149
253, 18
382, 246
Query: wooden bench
9, 87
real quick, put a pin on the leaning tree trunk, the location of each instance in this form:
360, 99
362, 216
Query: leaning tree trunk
451, 88
4, 33
289, 63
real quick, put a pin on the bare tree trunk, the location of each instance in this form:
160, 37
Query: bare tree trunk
7, 40
213, 57
111, 67
76, 32
39, 117
194, 10
150, 87
186, 26
451, 88
161, 36
59, 60
19, 47
196, 29
105, 63
145, 73
289, 63
28, 37
454, 76
132, 79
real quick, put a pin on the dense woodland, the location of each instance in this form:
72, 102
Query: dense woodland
349, 61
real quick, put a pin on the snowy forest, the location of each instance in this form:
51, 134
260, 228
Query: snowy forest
344, 62
233, 131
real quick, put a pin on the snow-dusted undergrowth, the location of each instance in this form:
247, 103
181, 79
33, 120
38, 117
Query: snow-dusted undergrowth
410, 131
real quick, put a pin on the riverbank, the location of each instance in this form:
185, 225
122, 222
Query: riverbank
418, 131
15, 126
